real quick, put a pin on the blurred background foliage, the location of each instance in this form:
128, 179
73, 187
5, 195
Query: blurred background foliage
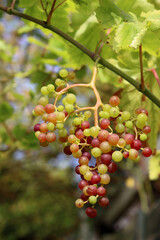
39, 186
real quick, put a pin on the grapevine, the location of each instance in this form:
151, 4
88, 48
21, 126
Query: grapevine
115, 135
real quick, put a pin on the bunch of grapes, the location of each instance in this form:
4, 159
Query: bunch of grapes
118, 136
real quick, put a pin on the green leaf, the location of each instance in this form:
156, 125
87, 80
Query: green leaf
27, 3
6, 111
153, 19
151, 42
108, 11
154, 166
19, 131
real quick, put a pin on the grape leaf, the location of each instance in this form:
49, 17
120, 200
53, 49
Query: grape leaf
154, 166
153, 19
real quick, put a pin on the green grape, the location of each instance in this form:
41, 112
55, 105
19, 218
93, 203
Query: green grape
87, 114
62, 132
119, 120
37, 134
43, 101
126, 115
69, 108
142, 118
96, 152
120, 128
77, 121
60, 108
117, 156
128, 147
71, 98
59, 82
87, 132
129, 124
104, 114
78, 154
33, 113
50, 126
114, 112
64, 101
102, 168
44, 90
106, 108
143, 137
92, 200
59, 125
60, 116
50, 88
51, 95
63, 73
140, 125
137, 159
94, 131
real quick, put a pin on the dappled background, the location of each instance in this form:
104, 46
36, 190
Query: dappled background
38, 186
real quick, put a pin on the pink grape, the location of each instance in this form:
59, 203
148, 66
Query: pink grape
103, 135
85, 125
82, 184
113, 139
95, 142
101, 191
129, 138
42, 137
39, 110
104, 124
49, 108
114, 101
51, 137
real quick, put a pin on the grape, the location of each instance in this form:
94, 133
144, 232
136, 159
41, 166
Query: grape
105, 123
106, 158
82, 184
52, 117
141, 110
43, 144
114, 101
105, 179
77, 169
42, 137
129, 124
69, 108
105, 147
60, 116
92, 199
62, 132
120, 128
44, 91
37, 127
112, 167
140, 125
95, 179
43, 127
51, 137
84, 197
104, 114
60, 108
103, 135
94, 131
119, 120
83, 160
142, 118
91, 190
147, 152
78, 154
95, 142
88, 175
133, 154
83, 169
87, 132
71, 75
143, 137
45, 117
91, 212
114, 112
87, 114
125, 154
67, 150
103, 202
87, 154
63, 139
63, 73
49, 108
136, 144
74, 148
102, 168
50, 88
37, 133
106, 108
146, 129
113, 139
79, 203
85, 190
59, 126
71, 98
101, 191
96, 152
121, 142
126, 115
58, 89
39, 110
72, 138
85, 125
43, 101
117, 156
129, 138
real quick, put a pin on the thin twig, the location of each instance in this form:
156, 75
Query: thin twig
44, 8
13, 3
59, 5
141, 67
51, 12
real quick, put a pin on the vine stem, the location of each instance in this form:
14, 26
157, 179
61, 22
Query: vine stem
91, 54
13, 3
141, 67
51, 12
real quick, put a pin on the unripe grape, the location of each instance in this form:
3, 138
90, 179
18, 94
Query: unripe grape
78, 154
105, 147
43, 101
94, 131
117, 156
143, 137
50, 88
106, 108
92, 200
63, 73
126, 115
105, 179
114, 112
119, 120
83, 169
102, 168
120, 128
72, 138
133, 154
88, 175
60, 108
69, 108
59, 126
74, 148
140, 125
87, 132
79, 203
96, 152
44, 90
142, 118
87, 114
71, 75
71, 98
45, 117
37, 133
60, 116
121, 142
104, 114
129, 124
62, 132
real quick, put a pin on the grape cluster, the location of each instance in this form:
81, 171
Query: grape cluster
118, 135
